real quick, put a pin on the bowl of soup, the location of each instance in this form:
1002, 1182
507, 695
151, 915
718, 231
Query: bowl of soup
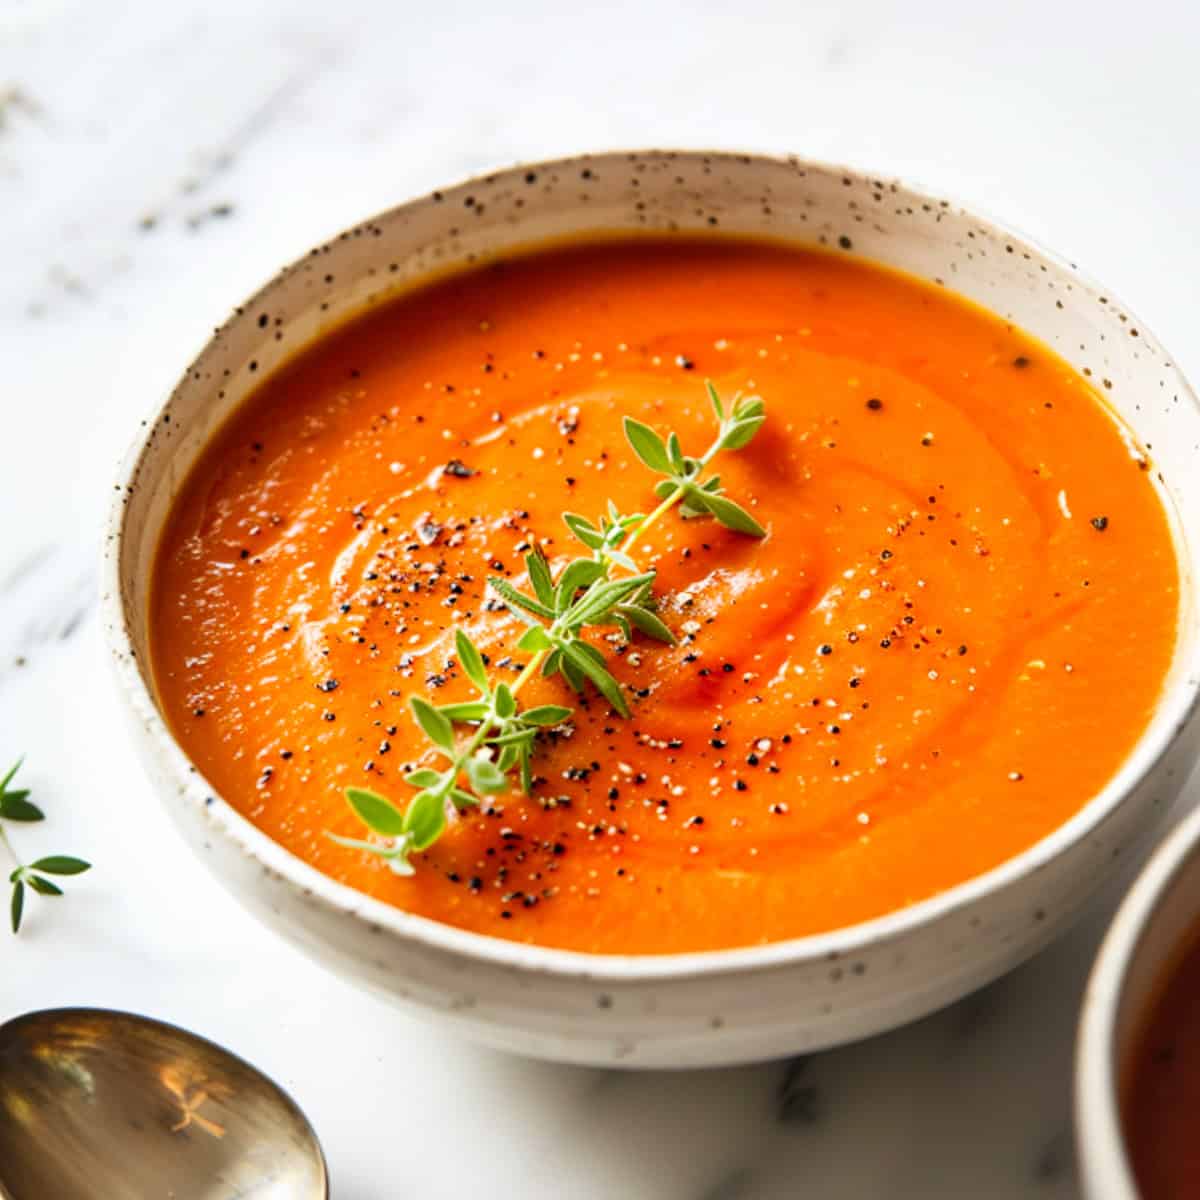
1137, 1081
908, 663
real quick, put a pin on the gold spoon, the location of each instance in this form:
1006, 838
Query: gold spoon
99, 1105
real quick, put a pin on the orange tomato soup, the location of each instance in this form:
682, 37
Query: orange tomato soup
953, 633
1162, 1096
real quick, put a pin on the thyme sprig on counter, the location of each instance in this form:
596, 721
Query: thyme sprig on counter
557, 612
15, 805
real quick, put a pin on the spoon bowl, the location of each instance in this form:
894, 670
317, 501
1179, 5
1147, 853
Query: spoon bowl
98, 1105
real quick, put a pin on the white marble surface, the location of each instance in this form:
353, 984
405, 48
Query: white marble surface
159, 160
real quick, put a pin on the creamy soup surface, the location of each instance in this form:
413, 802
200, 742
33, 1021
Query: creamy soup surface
955, 630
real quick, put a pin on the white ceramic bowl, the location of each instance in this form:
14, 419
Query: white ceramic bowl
1151, 927
690, 1009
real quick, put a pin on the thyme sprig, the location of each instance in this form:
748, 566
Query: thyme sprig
503, 738
557, 612
582, 598
15, 805
684, 476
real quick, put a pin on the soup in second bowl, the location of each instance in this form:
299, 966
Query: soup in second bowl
1162, 1095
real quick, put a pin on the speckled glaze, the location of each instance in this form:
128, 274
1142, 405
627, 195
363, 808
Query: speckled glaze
1149, 931
692, 1009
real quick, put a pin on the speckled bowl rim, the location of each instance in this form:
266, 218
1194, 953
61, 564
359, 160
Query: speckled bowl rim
1176, 705
1099, 1130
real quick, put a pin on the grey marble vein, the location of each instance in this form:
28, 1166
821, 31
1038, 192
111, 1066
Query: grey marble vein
45, 598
